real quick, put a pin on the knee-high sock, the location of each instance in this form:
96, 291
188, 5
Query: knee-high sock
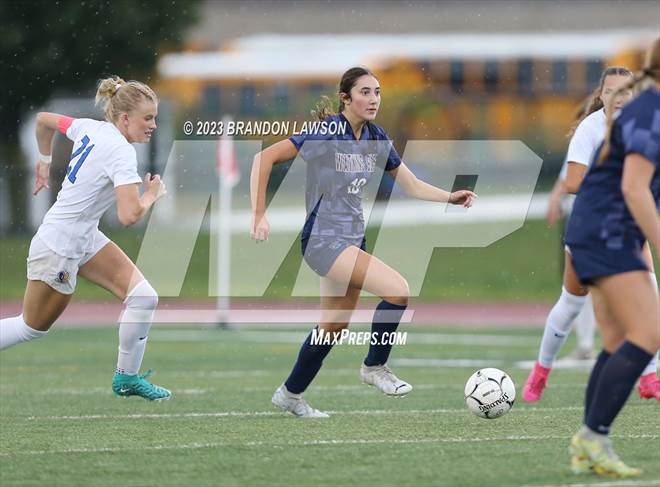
585, 325
594, 377
310, 359
558, 325
15, 330
617, 379
134, 327
386, 320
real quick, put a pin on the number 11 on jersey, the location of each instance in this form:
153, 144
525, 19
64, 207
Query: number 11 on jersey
72, 170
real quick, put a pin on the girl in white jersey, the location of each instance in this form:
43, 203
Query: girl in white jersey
102, 170
587, 137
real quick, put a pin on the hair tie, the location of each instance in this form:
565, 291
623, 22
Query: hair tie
117, 86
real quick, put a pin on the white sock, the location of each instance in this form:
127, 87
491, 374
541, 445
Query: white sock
134, 327
558, 325
585, 325
15, 330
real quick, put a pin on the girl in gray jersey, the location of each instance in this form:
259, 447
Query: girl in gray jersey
339, 166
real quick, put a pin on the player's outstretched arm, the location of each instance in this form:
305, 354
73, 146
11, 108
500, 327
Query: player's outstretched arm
416, 188
635, 185
262, 166
47, 124
131, 207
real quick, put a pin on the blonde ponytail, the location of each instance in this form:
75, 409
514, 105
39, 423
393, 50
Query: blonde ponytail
116, 96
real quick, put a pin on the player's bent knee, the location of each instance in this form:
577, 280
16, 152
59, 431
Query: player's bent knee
400, 293
142, 296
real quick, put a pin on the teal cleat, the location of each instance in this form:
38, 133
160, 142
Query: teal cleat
137, 385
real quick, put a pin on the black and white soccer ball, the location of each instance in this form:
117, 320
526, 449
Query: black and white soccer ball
490, 393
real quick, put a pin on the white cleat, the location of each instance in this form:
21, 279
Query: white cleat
295, 404
382, 378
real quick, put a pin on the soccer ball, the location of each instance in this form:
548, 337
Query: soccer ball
489, 393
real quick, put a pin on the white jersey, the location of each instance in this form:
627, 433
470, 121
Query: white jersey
587, 137
101, 160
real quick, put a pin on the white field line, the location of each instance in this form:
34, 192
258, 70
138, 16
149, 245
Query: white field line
296, 337
613, 483
225, 414
84, 391
330, 442
521, 364
91, 391
316, 390
423, 363
359, 412
429, 440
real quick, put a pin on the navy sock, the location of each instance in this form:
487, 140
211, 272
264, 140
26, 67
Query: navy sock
310, 359
386, 321
617, 379
603, 356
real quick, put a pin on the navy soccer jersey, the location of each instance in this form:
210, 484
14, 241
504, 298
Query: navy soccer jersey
601, 219
338, 168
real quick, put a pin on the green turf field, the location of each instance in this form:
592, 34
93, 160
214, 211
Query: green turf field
60, 425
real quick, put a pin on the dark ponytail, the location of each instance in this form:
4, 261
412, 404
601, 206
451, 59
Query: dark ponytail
325, 107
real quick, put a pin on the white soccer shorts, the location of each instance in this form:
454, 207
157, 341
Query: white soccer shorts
57, 271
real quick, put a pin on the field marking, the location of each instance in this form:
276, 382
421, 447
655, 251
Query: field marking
468, 362
360, 441
225, 414
357, 389
613, 483
89, 391
361, 412
330, 442
296, 337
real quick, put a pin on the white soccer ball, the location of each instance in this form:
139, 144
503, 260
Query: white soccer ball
490, 393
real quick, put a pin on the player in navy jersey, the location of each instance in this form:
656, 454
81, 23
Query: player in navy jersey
68, 243
339, 166
615, 211
574, 303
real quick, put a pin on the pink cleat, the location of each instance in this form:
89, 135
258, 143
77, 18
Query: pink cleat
535, 384
649, 386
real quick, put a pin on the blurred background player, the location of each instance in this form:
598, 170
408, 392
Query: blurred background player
103, 169
333, 242
615, 211
574, 304
560, 202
